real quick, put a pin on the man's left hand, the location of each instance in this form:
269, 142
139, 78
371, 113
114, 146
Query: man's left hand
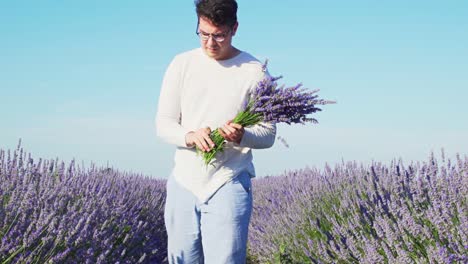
232, 132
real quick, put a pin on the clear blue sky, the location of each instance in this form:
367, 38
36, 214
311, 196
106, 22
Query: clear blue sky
81, 79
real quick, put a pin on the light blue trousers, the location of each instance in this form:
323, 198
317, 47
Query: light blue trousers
214, 232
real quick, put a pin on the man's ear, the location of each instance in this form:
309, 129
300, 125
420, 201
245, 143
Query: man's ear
234, 28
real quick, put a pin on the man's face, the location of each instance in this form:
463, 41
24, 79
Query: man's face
218, 50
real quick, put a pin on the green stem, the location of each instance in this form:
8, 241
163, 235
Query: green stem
244, 118
10, 258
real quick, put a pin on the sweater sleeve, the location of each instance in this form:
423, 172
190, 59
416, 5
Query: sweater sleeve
168, 117
259, 136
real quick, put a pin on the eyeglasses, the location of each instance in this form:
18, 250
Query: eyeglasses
220, 37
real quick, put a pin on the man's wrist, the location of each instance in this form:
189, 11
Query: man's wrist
187, 143
242, 136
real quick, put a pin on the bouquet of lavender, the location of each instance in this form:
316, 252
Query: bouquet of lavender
270, 103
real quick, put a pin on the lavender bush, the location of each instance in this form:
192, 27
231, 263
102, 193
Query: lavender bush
356, 214
396, 213
50, 213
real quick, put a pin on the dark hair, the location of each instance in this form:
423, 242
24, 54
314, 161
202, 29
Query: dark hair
219, 12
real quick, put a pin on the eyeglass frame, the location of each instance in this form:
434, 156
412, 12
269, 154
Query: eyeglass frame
206, 36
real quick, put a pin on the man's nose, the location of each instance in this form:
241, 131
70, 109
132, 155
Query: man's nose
211, 42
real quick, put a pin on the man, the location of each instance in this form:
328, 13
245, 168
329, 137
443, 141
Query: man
208, 208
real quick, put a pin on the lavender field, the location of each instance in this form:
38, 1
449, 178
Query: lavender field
390, 212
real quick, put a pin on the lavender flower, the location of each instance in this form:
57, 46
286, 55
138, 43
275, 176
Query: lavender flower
272, 104
52, 212
349, 213
363, 214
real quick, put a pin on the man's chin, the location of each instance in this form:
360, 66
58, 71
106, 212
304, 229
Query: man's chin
212, 53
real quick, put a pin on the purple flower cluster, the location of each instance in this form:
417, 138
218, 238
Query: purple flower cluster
67, 214
272, 104
284, 104
351, 213
363, 214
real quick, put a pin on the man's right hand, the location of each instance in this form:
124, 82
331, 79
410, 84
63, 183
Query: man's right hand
200, 138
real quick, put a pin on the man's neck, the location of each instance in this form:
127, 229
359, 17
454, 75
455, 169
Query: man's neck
233, 52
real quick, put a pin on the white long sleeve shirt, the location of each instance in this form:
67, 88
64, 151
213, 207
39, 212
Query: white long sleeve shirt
198, 91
